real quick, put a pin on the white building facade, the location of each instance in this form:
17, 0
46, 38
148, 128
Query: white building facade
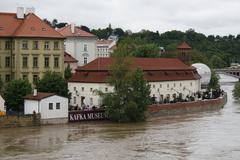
53, 108
79, 44
165, 82
105, 47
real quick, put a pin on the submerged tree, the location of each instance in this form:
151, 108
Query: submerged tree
214, 82
236, 91
128, 102
14, 93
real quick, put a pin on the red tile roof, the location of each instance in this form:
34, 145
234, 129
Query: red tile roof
155, 69
69, 59
78, 32
143, 63
40, 96
104, 41
30, 26
184, 45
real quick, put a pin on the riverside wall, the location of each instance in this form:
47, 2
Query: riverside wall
186, 107
20, 121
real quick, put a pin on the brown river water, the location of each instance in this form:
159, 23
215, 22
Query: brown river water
201, 136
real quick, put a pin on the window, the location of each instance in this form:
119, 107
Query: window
35, 44
25, 77
85, 60
24, 44
35, 78
160, 85
46, 45
180, 84
82, 89
190, 83
174, 85
56, 45
91, 101
167, 85
74, 100
91, 89
7, 45
7, 78
85, 48
56, 62
50, 106
153, 85
46, 62
7, 61
74, 88
106, 89
158, 90
35, 62
25, 62
57, 105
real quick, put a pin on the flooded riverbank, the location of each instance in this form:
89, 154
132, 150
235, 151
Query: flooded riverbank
205, 135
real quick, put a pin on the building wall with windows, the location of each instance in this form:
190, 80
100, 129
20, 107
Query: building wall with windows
30, 58
27, 43
81, 48
167, 77
80, 44
85, 93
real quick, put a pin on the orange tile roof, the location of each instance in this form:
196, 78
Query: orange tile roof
143, 63
78, 32
30, 26
184, 45
104, 41
69, 59
155, 69
39, 96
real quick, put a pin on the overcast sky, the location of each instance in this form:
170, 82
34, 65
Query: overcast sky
206, 16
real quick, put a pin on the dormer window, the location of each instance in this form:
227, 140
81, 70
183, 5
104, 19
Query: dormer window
44, 29
33, 29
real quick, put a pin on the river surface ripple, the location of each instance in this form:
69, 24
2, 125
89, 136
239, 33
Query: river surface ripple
207, 135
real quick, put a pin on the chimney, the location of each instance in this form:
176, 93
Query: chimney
35, 92
20, 12
72, 27
30, 10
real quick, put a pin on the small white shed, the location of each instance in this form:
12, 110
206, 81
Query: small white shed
53, 108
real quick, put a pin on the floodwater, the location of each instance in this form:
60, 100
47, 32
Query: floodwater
207, 135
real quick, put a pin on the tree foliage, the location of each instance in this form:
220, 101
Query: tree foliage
136, 47
236, 90
214, 82
67, 73
54, 83
128, 102
14, 93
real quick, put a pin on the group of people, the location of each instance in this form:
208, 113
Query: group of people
212, 94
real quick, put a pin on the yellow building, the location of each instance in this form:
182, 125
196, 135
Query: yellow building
28, 47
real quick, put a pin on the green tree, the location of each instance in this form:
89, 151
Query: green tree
214, 82
236, 90
67, 72
54, 83
136, 47
14, 93
128, 102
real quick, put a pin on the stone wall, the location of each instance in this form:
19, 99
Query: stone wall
19, 121
186, 107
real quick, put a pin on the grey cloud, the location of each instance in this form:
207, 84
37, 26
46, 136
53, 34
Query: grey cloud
207, 16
